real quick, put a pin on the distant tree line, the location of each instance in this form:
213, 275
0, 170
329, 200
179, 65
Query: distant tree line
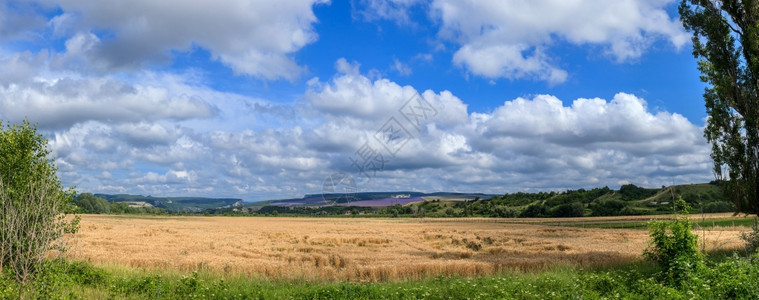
88, 203
628, 200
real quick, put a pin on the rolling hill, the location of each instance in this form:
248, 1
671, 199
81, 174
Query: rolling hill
174, 204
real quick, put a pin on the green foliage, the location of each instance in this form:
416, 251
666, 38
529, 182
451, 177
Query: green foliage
450, 212
502, 211
730, 278
33, 204
607, 207
521, 198
752, 238
571, 203
726, 42
169, 204
308, 210
568, 210
632, 192
90, 204
23, 159
55, 279
545, 204
630, 211
535, 211
718, 207
572, 196
674, 247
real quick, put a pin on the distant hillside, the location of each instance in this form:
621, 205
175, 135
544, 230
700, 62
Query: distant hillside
691, 193
629, 199
373, 199
174, 204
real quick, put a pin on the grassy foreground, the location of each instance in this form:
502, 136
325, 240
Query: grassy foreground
723, 277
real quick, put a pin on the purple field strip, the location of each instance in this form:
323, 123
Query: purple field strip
368, 203
383, 202
303, 202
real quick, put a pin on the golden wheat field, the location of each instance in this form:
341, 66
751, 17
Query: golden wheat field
327, 249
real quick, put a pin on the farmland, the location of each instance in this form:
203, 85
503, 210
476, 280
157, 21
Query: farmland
357, 249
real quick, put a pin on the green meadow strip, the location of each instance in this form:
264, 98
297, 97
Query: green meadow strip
723, 277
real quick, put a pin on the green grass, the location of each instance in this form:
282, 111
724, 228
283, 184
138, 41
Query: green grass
727, 276
665, 195
724, 222
643, 224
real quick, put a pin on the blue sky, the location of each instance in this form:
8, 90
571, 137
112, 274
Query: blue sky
266, 99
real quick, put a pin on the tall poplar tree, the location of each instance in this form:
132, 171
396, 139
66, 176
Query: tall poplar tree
726, 43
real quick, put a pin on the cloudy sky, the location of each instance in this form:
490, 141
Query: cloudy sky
266, 99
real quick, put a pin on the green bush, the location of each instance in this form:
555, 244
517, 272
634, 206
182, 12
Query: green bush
54, 279
718, 206
674, 247
9, 287
502, 211
752, 238
449, 212
33, 204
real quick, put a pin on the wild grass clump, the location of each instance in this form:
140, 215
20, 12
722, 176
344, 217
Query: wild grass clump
54, 278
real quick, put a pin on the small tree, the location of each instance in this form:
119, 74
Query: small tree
33, 204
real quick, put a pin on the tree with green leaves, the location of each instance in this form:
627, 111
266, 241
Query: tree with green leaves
726, 43
88, 203
33, 204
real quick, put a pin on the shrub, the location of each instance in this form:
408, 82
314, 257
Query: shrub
718, 206
32, 202
502, 211
752, 238
674, 247
450, 212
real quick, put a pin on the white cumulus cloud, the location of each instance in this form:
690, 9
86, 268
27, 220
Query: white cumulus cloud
251, 37
506, 38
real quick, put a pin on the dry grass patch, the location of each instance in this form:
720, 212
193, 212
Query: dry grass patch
355, 249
